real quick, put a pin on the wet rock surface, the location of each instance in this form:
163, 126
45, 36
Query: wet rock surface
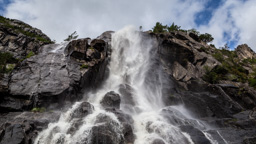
59, 73
158, 141
225, 106
83, 110
56, 75
23, 127
111, 100
196, 135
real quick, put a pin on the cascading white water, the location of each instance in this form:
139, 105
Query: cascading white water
131, 64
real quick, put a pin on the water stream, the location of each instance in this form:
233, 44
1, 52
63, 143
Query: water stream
133, 66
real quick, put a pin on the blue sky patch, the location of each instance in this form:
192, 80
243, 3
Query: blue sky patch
203, 17
3, 4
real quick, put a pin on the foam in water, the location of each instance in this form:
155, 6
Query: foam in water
131, 64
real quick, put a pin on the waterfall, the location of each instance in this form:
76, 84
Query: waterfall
134, 68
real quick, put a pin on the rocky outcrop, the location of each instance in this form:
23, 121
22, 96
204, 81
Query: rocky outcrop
18, 41
245, 52
22, 128
182, 56
225, 105
56, 75
19, 38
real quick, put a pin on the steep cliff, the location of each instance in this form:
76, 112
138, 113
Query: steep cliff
216, 85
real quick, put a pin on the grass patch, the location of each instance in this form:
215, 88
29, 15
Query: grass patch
30, 54
83, 66
218, 56
250, 61
37, 109
252, 82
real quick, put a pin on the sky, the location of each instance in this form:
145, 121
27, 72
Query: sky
229, 21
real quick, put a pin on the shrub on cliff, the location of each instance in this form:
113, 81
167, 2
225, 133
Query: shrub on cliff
206, 37
194, 31
159, 28
213, 76
173, 27
6, 58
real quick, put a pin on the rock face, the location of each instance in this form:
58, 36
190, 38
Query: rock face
19, 38
22, 128
56, 75
245, 52
196, 135
59, 73
184, 60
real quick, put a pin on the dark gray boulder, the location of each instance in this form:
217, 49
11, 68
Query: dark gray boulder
111, 100
126, 122
83, 110
104, 134
106, 131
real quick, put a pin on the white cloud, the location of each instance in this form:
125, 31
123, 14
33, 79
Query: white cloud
237, 19
90, 18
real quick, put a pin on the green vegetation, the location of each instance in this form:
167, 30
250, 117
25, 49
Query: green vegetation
230, 69
7, 62
37, 109
194, 31
250, 61
252, 82
173, 27
84, 66
159, 28
203, 49
6, 23
30, 54
212, 45
206, 37
71, 36
218, 56
213, 76
10, 67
